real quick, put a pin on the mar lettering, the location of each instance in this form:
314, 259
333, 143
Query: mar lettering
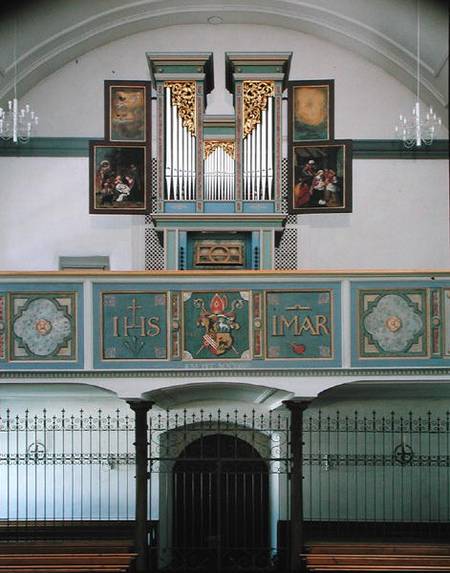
316, 325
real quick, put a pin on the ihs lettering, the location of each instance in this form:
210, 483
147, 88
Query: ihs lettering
139, 325
297, 325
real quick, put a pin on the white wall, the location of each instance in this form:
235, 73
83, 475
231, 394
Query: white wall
45, 214
368, 100
399, 220
400, 217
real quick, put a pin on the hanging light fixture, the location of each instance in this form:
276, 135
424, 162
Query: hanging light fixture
422, 126
17, 124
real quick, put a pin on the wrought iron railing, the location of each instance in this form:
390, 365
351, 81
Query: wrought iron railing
66, 466
376, 469
373, 471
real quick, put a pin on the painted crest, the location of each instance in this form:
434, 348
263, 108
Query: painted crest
219, 323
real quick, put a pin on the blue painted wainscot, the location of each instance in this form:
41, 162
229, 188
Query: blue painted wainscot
137, 325
289, 323
41, 326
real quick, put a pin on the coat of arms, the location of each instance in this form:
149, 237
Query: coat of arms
218, 323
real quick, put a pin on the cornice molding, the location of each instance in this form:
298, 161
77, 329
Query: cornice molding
360, 373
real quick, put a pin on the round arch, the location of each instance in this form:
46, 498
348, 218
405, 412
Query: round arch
381, 32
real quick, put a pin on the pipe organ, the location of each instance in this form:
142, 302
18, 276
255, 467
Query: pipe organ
219, 170
180, 141
199, 164
218, 191
258, 141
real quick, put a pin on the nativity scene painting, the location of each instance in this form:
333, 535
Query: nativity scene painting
118, 178
321, 178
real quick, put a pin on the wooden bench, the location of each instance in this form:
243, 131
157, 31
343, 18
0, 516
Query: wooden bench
59, 562
377, 557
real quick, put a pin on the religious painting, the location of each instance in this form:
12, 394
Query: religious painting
133, 326
311, 110
216, 325
127, 111
321, 178
299, 324
118, 178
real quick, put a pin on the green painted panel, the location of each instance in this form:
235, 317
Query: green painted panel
300, 324
216, 324
179, 69
48, 147
134, 326
258, 69
394, 149
211, 130
362, 148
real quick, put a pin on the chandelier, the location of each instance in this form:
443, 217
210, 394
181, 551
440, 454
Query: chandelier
17, 124
421, 127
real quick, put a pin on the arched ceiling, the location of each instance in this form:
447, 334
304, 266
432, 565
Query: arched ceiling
51, 33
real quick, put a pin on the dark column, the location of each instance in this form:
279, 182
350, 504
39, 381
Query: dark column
140, 409
297, 541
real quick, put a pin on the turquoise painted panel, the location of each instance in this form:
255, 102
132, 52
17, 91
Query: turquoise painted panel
215, 328
258, 207
219, 207
267, 250
395, 325
3, 326
446, 305
216, 324
130, 325
180, 207
171, 250
300, 324
194, 238
41, 326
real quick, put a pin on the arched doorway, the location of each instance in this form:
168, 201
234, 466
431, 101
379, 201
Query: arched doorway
220, 506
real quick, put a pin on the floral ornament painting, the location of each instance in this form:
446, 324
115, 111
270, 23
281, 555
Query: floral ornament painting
43, 328
395, 325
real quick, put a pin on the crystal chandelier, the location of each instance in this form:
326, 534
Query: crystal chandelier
422, 126
17, 124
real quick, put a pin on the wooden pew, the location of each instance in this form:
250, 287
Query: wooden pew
377, 557
64, 562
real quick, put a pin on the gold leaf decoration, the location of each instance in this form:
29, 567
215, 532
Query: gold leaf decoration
255, 95
227, 146
183, 97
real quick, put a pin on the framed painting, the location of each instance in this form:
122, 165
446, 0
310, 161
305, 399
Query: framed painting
311, 110
118, 178
127, 111
320, 177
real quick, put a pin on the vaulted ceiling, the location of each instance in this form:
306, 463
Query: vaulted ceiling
51, 33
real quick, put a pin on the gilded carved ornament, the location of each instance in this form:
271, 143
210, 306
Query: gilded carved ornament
183, 97
211, 146
255, 95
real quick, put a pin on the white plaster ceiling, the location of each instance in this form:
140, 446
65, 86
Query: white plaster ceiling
53, 32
